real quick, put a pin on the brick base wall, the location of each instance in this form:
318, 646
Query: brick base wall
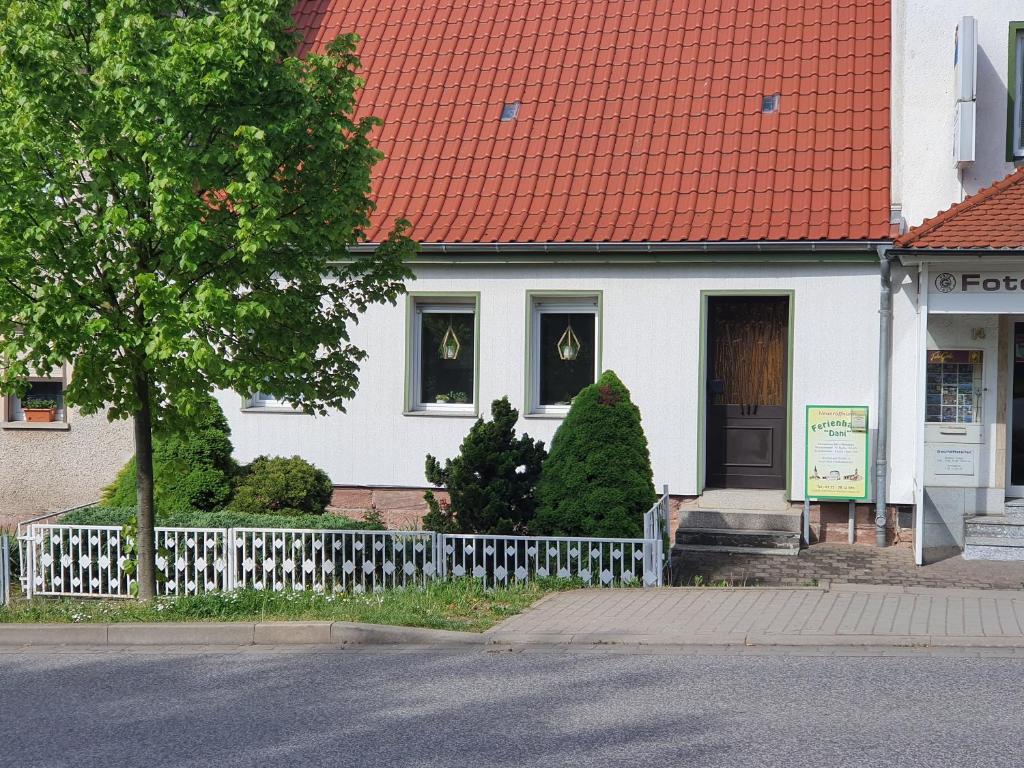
401, 508
830, 522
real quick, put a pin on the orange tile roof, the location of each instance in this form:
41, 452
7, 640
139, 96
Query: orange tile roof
640, 120
991, 218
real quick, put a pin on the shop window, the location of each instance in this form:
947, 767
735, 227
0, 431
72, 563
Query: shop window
42, 395
1015, 81
444, 354
953, 387
564, 353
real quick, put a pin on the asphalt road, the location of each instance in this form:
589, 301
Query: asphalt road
537, 708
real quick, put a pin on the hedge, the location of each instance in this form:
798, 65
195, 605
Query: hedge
120, 515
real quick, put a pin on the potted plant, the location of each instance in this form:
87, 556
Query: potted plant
39, 409
458, 397
442, 398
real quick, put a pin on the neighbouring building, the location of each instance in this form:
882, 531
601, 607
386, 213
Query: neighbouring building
958, 132
55, 464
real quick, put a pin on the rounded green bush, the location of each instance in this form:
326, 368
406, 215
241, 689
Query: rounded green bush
193, 470
282, 486
597, 479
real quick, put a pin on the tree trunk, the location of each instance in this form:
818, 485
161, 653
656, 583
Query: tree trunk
145, 543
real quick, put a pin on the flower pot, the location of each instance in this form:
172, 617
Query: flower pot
40, 414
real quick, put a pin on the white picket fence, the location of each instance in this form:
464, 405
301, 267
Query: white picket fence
88, 560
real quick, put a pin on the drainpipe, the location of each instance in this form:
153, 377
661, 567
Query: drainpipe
884, 374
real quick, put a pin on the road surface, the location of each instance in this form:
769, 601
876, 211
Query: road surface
422, 708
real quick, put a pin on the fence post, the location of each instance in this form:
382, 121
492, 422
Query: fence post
29, 564
440, 558
229, 559
5, 570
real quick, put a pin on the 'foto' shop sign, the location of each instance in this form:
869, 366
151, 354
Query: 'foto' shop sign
837, 452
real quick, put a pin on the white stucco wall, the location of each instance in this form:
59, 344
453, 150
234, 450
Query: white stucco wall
925, 180
651, 339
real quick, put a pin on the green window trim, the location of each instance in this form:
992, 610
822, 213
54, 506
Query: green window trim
410, 406
1015, 94
532, 409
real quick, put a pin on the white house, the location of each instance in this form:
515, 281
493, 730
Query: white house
696, 194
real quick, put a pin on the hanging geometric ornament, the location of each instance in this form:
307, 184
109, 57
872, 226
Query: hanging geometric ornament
568, 345
450, 345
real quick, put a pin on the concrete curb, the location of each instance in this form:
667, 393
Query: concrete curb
239, 633
346, 634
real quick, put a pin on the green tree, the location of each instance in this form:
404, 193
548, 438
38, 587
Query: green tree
491, 482
175, 184
597, 480
193, 470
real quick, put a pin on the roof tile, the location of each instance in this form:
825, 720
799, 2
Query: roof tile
640, 120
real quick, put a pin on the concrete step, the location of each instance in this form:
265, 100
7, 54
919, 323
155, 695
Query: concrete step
1005, 527
738, 540
741, 499
994, 537
988, 552
740, 519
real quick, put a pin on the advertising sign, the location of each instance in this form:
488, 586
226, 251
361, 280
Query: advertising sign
837, 452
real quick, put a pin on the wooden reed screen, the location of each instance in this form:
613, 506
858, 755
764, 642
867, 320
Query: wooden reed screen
748, 350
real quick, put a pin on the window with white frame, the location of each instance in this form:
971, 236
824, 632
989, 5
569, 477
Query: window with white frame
42, 401
564, 356
1015, 130
444, 355
263, 400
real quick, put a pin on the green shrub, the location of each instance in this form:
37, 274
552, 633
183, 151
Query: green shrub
192, 470
491, 482
281, 486
597, 480
225, 519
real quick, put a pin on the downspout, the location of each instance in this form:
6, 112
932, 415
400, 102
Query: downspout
884, 375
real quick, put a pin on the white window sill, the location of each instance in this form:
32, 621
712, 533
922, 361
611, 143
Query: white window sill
467, 412
558, 415
44, 425
273, 409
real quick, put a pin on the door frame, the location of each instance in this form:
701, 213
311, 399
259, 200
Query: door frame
1011, 491
702, 383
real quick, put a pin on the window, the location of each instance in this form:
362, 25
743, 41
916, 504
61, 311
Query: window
564, 353
263, 400
39, 393
1015, 81
444, 352
954, 387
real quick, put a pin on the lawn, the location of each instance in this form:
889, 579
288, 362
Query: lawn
459, 605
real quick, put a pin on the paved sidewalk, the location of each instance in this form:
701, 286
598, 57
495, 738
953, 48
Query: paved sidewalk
841, 614
845, 563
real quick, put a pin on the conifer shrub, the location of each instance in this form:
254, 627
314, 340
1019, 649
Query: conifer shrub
597, 479
193, 470
282, 486
491, 482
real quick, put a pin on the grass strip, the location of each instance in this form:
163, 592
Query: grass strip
462, 605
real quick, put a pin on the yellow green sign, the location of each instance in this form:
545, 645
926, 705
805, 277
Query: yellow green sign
837, 452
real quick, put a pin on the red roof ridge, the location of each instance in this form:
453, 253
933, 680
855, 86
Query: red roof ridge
928, 226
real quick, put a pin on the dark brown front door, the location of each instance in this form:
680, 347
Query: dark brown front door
746, 389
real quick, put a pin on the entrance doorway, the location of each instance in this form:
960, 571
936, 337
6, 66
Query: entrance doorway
747, 351
1015, 417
